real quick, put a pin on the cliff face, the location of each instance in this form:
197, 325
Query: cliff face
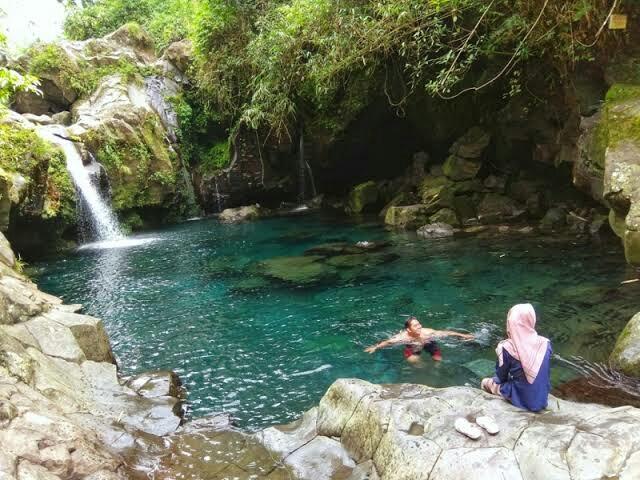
113, 95
64, 412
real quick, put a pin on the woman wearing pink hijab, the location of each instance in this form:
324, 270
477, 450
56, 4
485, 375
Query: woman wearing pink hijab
524, 362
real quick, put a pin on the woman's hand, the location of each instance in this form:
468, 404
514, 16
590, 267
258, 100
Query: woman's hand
467, 337
371, 349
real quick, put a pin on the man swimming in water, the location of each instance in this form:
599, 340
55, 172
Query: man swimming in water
416, 338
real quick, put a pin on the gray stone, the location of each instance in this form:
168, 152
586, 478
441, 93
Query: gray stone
6, 253
241, 214
496, 208
471, 144
155, 384
88, 331
55, 340
435, 230
459, 168
62, 118
321, 459
480, 463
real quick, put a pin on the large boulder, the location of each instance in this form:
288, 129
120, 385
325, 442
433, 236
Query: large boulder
464, 161
622, 163
626, 353
242, 214
130, 139
398, 432
362, 197
408, 217
495, 208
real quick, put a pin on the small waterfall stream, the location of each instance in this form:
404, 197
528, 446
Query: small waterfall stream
104, 224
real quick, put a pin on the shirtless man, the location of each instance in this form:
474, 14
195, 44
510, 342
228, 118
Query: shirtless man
416, 338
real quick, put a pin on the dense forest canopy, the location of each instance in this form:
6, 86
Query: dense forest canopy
275, 63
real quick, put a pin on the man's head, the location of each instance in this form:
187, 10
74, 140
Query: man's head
413, 325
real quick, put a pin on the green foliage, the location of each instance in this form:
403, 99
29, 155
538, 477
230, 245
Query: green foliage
216, 158
275, 63
12, 81
43, 166
165, 20
80, 77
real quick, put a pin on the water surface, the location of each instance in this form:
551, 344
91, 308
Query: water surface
193, 299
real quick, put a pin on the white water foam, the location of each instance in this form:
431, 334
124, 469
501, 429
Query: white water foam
104, 222
123, 243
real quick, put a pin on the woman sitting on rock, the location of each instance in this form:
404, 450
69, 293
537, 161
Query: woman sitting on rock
416, 338
524, 362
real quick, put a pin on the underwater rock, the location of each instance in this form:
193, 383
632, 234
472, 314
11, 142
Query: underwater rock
303, 270
344, 248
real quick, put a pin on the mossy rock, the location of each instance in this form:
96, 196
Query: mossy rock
616, 222
225, 266
459, 168
366, 260
251, 285
345, 248
445, 215
409, 217
303, 270
632, 247
626, 353
362, 197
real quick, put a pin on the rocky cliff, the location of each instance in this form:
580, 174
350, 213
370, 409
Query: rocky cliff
64, 411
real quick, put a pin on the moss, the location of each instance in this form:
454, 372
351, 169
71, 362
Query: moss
216, 157
48, 191
142, 168
622, 92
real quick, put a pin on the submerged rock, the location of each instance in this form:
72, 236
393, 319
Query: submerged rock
626, 353
303, 270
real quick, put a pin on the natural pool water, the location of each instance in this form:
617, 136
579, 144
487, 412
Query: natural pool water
191, 298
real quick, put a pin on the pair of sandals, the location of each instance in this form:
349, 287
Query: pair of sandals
472, 431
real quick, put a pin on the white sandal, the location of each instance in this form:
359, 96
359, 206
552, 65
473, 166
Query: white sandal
463, 426
489, 424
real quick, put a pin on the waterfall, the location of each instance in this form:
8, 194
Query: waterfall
218, 196
301, 170
104, 224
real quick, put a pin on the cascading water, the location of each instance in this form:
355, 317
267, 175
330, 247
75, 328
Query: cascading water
104, 224
301, 170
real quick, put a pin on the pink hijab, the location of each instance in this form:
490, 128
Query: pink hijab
524, 343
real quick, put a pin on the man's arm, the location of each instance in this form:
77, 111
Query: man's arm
396, 339
451, 333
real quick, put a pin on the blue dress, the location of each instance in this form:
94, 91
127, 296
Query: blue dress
514, 386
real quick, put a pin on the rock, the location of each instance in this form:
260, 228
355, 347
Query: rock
38, 119
408, 217
626, 353
435, 230
471, 144
445, 215
495, 183
241, 214
554, 219
6, 253
88, 332
588, 168
362, 197
460, 168
155, 384
406, 432
303, 270
180, 54
62, 118
495, 208
621, 147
